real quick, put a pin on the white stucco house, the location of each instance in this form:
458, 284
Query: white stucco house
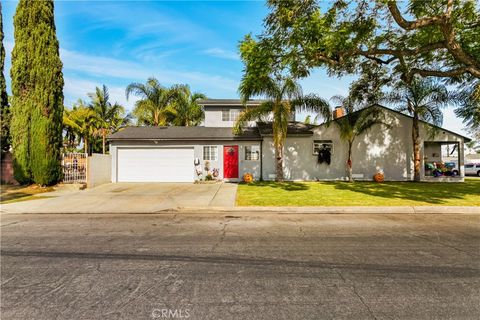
186, 154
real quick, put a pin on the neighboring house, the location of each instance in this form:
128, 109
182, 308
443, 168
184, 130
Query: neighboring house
186, 154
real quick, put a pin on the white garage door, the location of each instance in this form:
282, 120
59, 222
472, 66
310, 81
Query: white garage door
155, 165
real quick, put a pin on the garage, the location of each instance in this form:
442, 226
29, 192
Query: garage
155, 164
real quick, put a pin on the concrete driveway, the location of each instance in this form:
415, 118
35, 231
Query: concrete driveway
130, 197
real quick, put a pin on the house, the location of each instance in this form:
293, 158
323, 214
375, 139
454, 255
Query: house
312, 152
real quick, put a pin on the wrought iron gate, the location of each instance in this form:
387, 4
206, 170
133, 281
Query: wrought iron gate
74, 167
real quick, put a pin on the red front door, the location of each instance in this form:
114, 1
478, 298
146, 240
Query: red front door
230, 162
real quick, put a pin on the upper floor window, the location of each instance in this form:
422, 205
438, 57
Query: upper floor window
230, 114
210, 153
252, 153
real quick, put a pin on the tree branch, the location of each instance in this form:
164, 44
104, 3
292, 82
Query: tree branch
446, 73
410, 25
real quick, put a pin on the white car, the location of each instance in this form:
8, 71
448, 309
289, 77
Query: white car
472, 169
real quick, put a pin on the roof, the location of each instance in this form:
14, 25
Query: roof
206, 133
467, 139
183, 133
294, 128
228, 102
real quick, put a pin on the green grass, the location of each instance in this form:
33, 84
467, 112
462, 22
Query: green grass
359, 194
12, 193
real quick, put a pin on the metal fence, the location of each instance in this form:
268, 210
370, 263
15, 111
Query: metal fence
74, 167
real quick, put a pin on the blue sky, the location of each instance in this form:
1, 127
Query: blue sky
193, 42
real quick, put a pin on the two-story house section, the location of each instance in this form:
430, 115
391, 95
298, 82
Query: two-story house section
311, 152
186, 154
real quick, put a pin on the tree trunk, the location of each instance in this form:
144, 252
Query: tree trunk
416, 148
349, 162
279, 163
85, 142
104, 134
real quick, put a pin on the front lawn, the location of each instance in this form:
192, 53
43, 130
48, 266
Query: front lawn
359, 194
12, 193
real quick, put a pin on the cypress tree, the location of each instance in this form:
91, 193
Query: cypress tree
4, 110
37, 88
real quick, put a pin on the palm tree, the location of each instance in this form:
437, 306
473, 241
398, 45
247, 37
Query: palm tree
154, 100
185, 110
283, 98
469, 109
356, 121
423, 99
109, 117
81, 122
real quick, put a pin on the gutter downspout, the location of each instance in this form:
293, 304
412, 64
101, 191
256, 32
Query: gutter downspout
261, 160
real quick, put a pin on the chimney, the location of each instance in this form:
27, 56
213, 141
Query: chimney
338, 112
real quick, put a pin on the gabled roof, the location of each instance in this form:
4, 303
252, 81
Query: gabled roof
228, 102
467, 139
294, 128
183, 133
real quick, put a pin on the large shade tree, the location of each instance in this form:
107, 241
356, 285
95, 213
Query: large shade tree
4, 106
109, 117
150, 109
283, 97
423, 99
400, 41
185, 110
37, 89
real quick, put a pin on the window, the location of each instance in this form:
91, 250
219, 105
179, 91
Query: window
230, 114
252, 153
210, 153
468, 166
321, 145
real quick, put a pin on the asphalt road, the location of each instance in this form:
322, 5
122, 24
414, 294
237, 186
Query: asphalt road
240, 267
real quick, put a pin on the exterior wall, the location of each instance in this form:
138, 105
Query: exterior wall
381, 149
244, 166
7, 168
213, 117
99, 169
432, 152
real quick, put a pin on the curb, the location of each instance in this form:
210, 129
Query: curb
335, 210
284, 210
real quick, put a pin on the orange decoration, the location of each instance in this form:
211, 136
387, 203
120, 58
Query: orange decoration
379, 177
248, 178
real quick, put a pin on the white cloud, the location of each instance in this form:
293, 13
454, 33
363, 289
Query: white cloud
76, 88
106, 68
221, 53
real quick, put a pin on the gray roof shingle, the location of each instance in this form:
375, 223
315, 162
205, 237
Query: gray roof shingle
227, 102
294, 128
183, 133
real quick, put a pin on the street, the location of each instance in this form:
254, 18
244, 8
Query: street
247, 266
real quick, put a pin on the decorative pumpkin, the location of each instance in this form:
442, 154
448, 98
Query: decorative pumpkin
379, 177
248, 177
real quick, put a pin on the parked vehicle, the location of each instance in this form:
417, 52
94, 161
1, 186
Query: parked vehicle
452, 166
472, 169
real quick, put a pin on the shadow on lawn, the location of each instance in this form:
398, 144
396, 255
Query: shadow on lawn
13, 195
434, 193
288, 186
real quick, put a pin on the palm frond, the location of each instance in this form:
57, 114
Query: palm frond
252, 114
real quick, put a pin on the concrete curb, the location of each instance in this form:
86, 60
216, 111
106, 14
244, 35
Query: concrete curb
338, 210
272, 210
